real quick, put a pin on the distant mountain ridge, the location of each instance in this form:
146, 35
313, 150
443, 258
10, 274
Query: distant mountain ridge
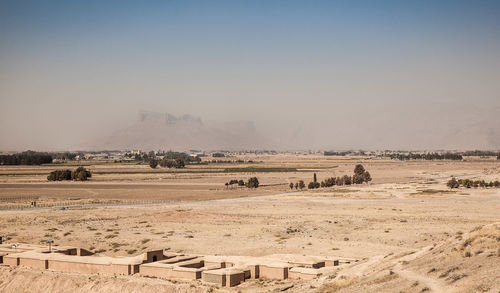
154, 130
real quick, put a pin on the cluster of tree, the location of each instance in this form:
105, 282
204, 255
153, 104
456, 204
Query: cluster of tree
170, 155
332, 181
425, 156
235, 181
360, 176
170, 159
298, 185
168, 163
79, 174
26, 158
346, 153
313, 184
468, 183
252, 182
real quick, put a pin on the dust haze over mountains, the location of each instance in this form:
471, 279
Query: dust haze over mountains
467, 130
160, 131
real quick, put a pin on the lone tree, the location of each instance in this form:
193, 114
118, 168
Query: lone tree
314, 178
291, 185
153, 163
302, 185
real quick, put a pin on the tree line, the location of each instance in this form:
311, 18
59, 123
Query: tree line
345, 153
479, 153
360, 176
468, 183
79, 174
425, 156
26, 158
37, 158
404, 156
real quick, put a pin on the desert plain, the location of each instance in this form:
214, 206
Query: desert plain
407, 231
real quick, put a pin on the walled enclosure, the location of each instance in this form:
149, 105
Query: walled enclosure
226, 271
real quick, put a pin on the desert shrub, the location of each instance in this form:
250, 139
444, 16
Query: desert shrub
468, 183
453, 183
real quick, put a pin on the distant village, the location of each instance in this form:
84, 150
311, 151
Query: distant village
224, 156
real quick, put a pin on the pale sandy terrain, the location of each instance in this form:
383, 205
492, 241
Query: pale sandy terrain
410, 233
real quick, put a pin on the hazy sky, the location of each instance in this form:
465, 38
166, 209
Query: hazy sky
314, 74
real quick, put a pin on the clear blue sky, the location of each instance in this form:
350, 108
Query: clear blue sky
265, 61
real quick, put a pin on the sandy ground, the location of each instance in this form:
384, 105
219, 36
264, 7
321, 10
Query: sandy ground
406, 228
